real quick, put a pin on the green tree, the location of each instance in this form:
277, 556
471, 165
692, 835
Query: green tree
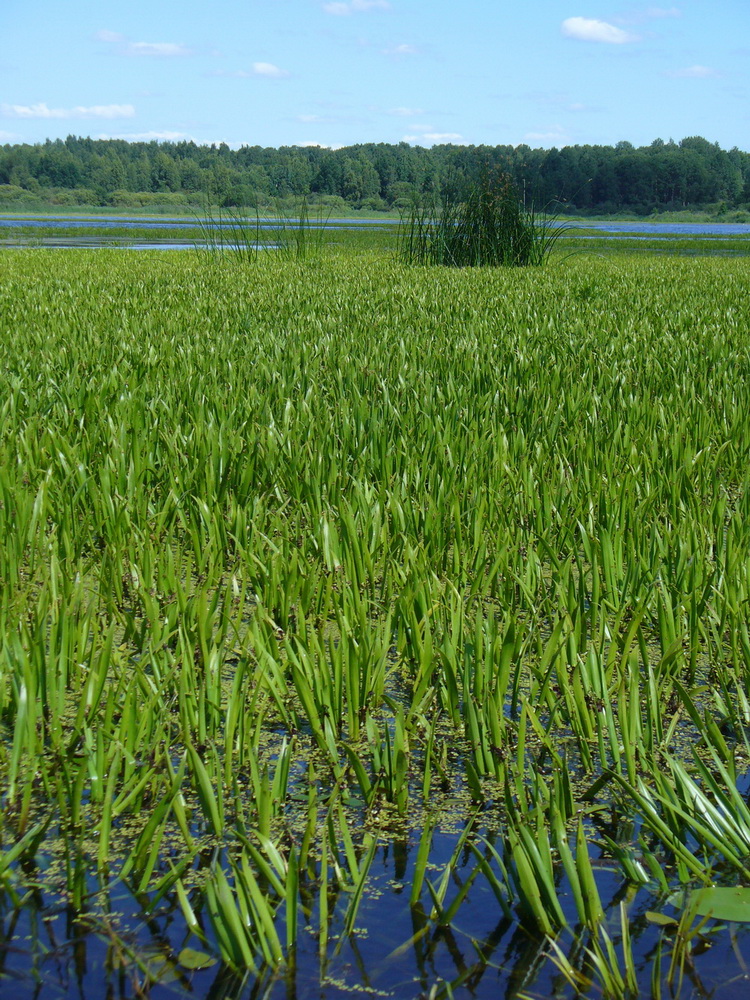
360, 179
165, 174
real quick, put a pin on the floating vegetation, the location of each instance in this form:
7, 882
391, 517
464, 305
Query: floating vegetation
373, 629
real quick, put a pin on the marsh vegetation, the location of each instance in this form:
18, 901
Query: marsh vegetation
483, 224
372, 628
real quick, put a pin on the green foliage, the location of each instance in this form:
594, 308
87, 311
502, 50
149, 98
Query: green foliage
487, 225
307, 558
604, 179
235, 234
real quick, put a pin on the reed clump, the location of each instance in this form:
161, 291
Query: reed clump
240, 233
483, 224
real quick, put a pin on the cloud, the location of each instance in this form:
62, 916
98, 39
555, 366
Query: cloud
556, 136
641, 14
433, 137
354, 7
162, 50
401, 50
662, 12
42, 111
692, 72
235, 74
150, 136
7, 136
169, 136
269, 70
578, 107
406, 112
109, 36
586, 29
265, 69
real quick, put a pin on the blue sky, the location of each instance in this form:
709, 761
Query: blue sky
337, 72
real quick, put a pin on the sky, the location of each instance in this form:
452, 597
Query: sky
338, 72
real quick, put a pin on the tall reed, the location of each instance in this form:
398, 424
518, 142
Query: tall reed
240, 233
485, 224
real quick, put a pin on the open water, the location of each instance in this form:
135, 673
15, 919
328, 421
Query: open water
116, 231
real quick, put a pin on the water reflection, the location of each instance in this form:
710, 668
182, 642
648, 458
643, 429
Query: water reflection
118, 942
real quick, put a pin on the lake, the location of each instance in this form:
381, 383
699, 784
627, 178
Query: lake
136, 233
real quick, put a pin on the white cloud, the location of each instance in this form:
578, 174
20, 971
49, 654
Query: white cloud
269, 70
640, 14
586, 29
150, 136
406, 112
579, 106
559, 100
169, 136
556, 136
662, 12
401, 50
433, 137
8, 136
259, 69
693, 72
109, 36
43, 111
159, 49
341, 9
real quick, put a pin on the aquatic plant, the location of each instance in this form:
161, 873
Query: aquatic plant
330, 589
482, 224
239, 233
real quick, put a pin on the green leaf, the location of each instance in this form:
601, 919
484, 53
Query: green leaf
660, 919
189, 958
721, 903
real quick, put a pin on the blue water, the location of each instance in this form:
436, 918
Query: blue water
135, 222
115, 231
652, 229
49, 951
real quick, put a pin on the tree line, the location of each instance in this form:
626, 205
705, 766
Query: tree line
692, 173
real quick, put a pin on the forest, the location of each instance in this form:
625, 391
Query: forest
663, 176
